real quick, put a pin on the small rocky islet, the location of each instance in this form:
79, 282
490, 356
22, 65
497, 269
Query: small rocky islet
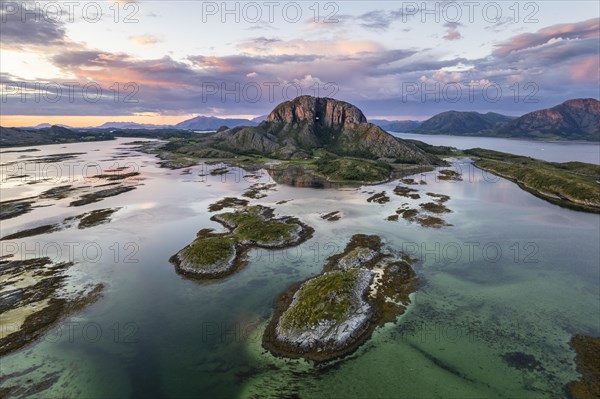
35, 296
587, 349
432, 209
83, 221
332, 314
215, 255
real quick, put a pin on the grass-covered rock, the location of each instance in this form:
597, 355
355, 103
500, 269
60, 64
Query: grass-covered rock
215, 255
332, 314
353, 169
573, 185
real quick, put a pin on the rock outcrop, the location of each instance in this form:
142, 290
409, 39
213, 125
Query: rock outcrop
295, 128
332, 314
215, 255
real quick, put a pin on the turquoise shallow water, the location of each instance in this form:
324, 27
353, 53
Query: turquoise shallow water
513, 274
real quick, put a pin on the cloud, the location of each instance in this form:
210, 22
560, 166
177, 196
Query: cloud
366, 72
579, 30
146, 40
336, 47
381, 20
39, 28
452, 34
586, 70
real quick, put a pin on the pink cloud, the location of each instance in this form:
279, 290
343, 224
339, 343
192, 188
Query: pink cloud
452, 35
588, 70
580, 30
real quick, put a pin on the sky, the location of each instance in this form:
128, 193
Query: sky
148, 61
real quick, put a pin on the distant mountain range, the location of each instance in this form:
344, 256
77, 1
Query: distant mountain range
577, 119
396, 126
128, 125
46, 135
462, 123
212, 123
202, 123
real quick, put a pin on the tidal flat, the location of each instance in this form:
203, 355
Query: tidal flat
499, 297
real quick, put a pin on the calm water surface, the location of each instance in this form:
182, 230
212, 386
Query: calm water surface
512, 274
555, 151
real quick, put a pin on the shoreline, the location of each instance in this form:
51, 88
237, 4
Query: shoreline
555, 200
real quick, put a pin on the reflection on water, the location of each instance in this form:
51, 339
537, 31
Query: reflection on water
513, 274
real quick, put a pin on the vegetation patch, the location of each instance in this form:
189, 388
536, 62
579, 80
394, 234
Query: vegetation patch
227, 202
33, 300
100, 195
88, 219
213, 255
573, 185
116, 175
207, 252
255, 191
11, 209
328, 297
45, 229
332, 314
332, 216
403, 191
431, 221
219, 171
410, 213
449, 175
439, 197
588, 353
435, 207
353, 169
58, 193
94, 218
379, 198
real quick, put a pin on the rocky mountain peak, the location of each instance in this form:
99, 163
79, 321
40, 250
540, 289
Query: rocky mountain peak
587, 104
322, 112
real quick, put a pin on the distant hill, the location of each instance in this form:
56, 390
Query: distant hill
259, 119
44, 126
396, 126
207, 123
463, 123
51, 135
577, 119
130, 125
212, 123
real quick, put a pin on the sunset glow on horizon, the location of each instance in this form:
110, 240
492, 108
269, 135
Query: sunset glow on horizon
102, 61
